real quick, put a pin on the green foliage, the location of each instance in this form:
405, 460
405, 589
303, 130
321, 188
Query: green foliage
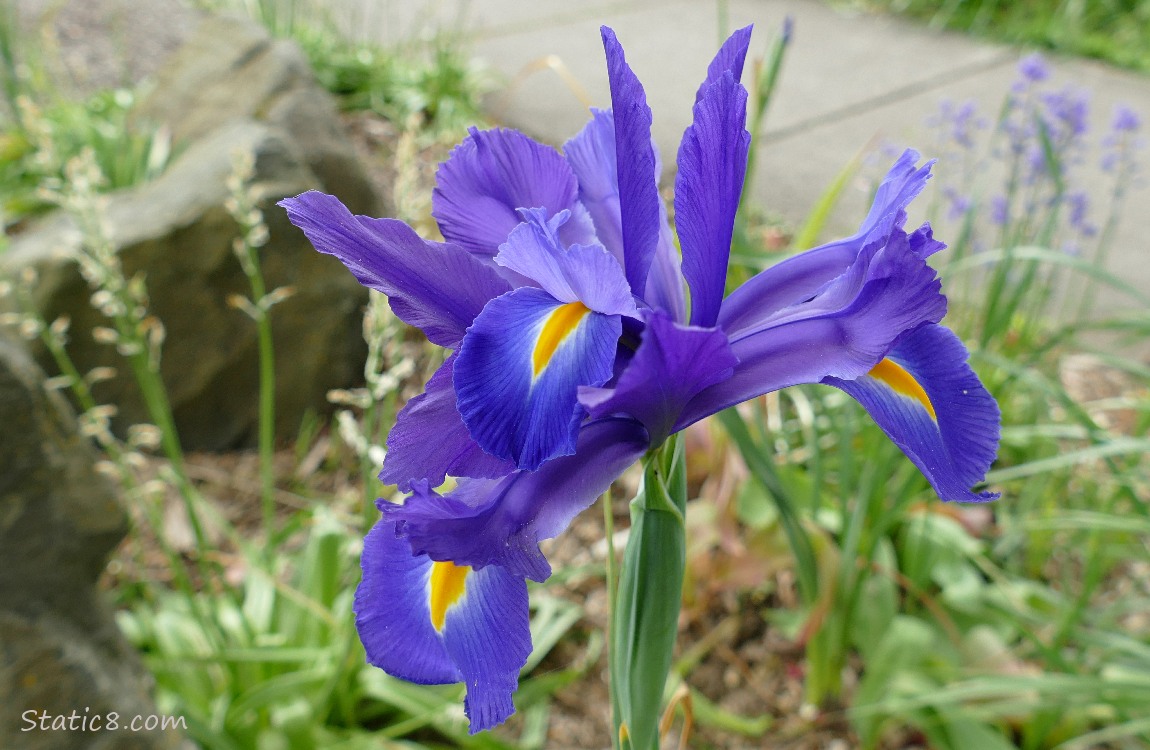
36, 146
434, 81
437, 84
1117, 31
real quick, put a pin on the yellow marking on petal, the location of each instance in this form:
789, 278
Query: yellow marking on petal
559, 326
901, 381
447, 584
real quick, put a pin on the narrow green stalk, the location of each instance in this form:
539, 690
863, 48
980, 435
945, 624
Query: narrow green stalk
764, 88
612, 578
243, 207
650, 594
267, 402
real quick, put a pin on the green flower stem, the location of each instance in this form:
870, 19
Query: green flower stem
267, 402
646, 613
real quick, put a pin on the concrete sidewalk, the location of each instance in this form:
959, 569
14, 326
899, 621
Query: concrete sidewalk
849, 82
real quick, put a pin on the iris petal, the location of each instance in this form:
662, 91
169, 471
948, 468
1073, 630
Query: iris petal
490, 175
672, 364
638, 193
435, 623
591, 154
500, 522
712, 164
393, 615
843, 331
935, 409
513, 409
487, 634
730, 57
799, 277
438, 288
429, 440
581, 273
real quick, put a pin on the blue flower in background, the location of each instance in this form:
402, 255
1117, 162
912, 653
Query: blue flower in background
560, 293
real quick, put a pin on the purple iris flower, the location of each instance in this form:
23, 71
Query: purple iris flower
560, 294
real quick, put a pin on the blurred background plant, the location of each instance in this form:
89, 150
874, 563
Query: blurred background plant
1117, 31
1021, 624
430, 77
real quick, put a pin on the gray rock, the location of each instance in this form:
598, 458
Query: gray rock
230, 89
178, 233
85, 46
230, 69
60, 650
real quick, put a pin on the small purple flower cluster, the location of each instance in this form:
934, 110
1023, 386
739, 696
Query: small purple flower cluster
1042, 141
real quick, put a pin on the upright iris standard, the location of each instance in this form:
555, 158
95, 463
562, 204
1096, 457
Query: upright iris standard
574, 351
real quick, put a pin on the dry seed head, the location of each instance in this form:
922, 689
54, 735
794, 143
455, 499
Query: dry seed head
258, 236
276, 296
100, 374
129, 348
144, 436
58, 383
60, 326
30, 328
108, 469
105, 335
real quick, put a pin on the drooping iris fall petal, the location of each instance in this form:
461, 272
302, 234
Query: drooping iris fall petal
436, 623
519, 370
931, 404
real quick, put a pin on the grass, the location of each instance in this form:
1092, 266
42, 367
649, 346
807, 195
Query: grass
1116, 31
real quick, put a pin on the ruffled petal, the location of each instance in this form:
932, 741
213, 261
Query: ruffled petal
712, 164
429, 440
501, 522
673, 363
519, 368
582, 273
435, 623
591, 154
933, 406
438, 288
490, 175
798, 277
843, 331
638, 192
487, 633
730, 57
393, 611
